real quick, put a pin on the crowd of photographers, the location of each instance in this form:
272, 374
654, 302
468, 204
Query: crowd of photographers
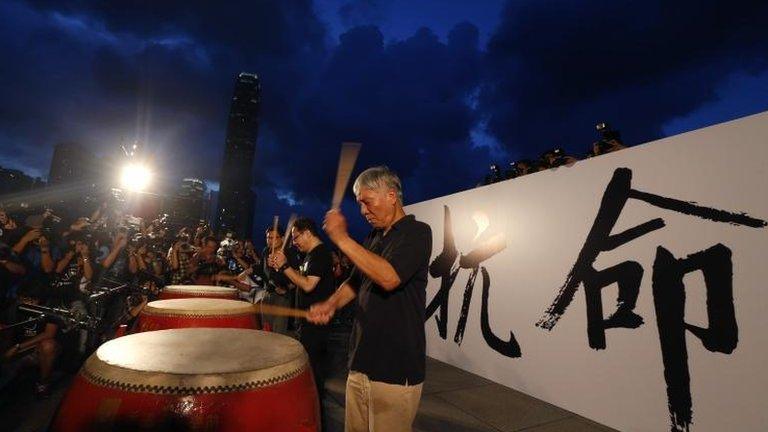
610, 141
66, 286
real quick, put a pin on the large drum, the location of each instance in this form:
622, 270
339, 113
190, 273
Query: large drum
196, 291
199, 312
193, 380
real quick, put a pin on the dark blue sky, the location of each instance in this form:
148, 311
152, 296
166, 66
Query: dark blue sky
435, 89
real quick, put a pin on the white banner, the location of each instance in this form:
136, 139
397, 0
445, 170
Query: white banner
629, 288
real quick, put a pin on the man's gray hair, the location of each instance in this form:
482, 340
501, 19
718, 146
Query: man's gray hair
379, 177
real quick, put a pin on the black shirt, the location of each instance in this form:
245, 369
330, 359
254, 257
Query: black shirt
388, 341
67, 285
10, 236
118, 271
318, 262
272, 278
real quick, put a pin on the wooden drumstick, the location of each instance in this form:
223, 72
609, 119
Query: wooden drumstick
275, 219
347, 159
269, 309
291, 220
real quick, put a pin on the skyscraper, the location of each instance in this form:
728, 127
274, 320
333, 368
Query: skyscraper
76, 177
235, 211
72, 163
188, 205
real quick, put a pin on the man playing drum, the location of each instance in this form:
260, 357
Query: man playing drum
387, 352
314, 279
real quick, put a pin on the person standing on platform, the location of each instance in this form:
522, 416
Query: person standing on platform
388, 347
315, 281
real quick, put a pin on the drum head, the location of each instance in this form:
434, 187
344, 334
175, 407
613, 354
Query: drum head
196, 360
200, 289
198, 307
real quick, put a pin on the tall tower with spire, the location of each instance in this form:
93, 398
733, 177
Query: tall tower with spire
236, 198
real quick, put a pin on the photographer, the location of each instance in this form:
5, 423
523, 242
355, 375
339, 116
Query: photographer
74, 270
206, 263
81, 225
38, 256
71, 287
9, 230
179, 259
115, 265
149, 266
520, 168
556, 158
113, 271
11, 272
238, 267
250, 253
238, 262
493, 176
610, 141
201, 233
35, 343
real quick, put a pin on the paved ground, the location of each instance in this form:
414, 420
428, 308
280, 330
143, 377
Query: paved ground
453, 400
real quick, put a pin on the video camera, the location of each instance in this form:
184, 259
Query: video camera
554, 158
609, 139
68, 319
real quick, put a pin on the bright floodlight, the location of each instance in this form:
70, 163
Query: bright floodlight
135, 177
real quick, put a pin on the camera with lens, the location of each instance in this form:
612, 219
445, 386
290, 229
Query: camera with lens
554, 158
512, 171
610, 139
48, 228
137, 240
521, 168
184, 245
494, 175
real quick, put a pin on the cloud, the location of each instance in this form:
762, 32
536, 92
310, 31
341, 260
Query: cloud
742, 94
556, 68
361, 12
405, 101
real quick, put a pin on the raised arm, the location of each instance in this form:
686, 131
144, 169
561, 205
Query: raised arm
378, 269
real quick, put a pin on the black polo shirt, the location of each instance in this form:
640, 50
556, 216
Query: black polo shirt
388, 342
272, 278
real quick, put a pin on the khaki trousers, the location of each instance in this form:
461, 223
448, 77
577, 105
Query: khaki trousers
373, 406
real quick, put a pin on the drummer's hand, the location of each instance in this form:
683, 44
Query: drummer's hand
321, 313
277, 259
335, 225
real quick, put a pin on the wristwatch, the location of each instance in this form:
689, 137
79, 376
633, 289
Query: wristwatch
283, 268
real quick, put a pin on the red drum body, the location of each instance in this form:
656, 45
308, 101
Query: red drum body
197, 291
193, 380
197, 312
